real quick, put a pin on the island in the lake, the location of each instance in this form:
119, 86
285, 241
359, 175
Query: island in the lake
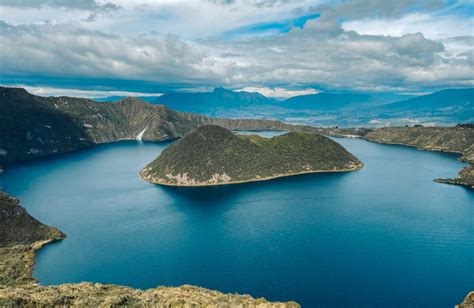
213, 155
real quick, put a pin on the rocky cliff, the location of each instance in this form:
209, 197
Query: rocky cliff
459, 139
212, 155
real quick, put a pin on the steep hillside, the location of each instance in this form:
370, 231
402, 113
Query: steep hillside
459, 139
19, 228
450, 98
20, 236
31, 126
34, 126
212, 155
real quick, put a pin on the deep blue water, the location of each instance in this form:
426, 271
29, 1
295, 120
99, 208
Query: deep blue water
386, 235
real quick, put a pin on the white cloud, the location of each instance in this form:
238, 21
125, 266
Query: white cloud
49, 91
432, 26
70, 51
370, 51
279, 92
192, 19
89, 5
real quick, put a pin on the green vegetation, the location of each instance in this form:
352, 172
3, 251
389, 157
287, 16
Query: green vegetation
100, 295
213, 155
20, 236
17, 227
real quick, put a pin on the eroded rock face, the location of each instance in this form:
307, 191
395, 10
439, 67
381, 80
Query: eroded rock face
212, 155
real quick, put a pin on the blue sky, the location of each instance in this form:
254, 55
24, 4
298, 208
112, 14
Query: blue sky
275, 47
269, 28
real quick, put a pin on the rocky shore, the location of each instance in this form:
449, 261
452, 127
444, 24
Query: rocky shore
468, 301
101, 295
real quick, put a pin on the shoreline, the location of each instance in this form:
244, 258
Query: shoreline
152, 181
459, 181
18, 287
31, 256
419, 148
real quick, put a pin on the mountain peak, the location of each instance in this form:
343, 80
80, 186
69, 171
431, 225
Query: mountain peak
221, 90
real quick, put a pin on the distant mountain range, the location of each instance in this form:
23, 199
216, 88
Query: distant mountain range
327, 101
450, 98
220, 98
342, 109
448, 106
210, 102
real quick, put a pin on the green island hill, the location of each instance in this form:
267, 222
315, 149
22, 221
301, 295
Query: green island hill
212, 155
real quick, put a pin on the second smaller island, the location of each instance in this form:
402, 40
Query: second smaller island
212, 155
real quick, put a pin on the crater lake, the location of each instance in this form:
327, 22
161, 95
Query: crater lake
386, 235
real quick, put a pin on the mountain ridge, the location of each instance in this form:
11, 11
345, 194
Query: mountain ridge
326, 108
35, 126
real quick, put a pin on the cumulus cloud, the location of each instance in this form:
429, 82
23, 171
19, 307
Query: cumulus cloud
49, 91
441, 27
89, 5
193, 19
66, 50
256, 3
279, 92
340, 60
324, 54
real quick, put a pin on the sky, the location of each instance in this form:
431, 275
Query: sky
280, 48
